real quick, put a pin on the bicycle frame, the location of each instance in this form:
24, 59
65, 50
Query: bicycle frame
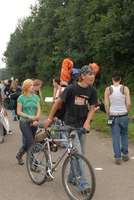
46, 146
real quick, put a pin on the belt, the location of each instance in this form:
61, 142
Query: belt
23, 121
118, 114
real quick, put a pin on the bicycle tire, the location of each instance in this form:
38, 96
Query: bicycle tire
81, 186
36, 162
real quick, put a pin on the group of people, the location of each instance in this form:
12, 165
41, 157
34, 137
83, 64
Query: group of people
79, 101
13, 90
117, 104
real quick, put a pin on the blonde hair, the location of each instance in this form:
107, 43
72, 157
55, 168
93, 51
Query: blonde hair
13, 85
26, 85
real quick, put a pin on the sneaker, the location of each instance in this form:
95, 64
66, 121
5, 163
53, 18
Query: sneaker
118, 161
1, 140
86, 189
125, 157
72, 181
9, 133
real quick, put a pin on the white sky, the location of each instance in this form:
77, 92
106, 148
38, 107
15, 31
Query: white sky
10, 12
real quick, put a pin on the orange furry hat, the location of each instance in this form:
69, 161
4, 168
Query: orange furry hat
66, 69
95, 68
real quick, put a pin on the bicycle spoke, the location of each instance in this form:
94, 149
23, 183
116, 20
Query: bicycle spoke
78, 178
37, 164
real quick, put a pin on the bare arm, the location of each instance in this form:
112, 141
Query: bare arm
38, 110
54, 94
89, 117
106, 100
128, 100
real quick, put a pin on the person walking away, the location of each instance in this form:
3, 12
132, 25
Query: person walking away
78, 97
118, 96
28, 108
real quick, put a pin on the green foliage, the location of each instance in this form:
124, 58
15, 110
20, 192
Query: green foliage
47, 91
86, 31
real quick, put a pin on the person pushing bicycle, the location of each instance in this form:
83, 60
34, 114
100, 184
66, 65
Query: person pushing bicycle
78, 97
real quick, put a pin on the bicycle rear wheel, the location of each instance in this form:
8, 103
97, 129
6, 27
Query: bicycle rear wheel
78, 177
36, 162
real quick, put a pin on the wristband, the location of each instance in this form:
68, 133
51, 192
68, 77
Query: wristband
49, 119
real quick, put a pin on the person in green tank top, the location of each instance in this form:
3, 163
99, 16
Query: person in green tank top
28, 108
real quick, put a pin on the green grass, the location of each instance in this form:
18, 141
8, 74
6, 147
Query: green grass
47, 91
99, 120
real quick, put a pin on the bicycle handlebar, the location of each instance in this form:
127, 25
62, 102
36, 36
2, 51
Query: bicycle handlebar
63, 128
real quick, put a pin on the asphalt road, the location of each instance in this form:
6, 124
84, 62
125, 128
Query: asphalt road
112, 182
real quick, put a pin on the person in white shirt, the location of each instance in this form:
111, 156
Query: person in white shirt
117, 105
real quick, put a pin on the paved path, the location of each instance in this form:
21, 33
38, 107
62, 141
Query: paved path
112, 182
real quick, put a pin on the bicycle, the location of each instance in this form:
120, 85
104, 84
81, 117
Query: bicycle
76, 168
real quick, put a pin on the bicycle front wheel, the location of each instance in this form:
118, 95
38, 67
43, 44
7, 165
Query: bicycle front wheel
36, 162
78, 177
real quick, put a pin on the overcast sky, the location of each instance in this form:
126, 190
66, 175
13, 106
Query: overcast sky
10, 12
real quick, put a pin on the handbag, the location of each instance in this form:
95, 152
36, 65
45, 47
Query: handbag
110, 120
40, 135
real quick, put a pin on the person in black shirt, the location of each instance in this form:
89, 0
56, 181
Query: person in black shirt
77, 98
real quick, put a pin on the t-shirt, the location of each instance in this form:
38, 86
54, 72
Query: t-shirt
77, 100
29, 105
